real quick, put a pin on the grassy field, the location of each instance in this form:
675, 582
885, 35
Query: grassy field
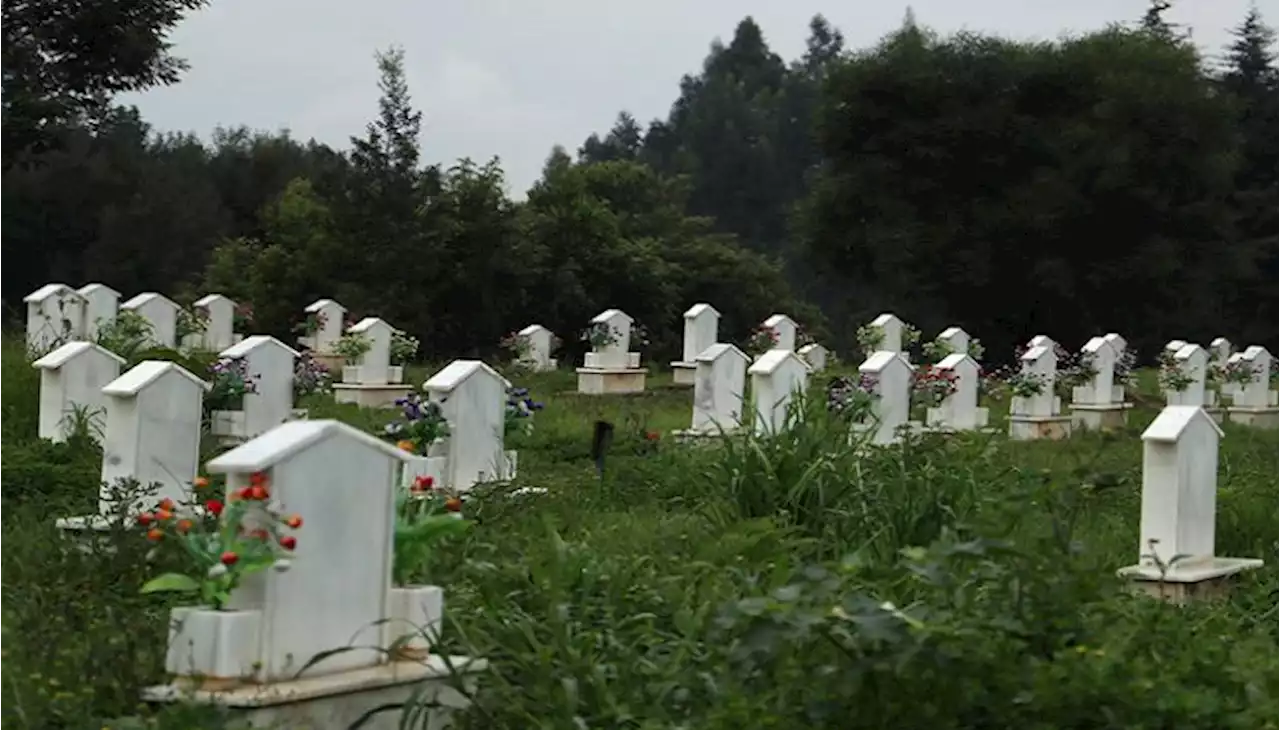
963, 582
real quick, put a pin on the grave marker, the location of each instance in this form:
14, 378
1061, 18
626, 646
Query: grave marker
610, 367
1179, 507
959, 411
891, 404
472, 397
55, 314
71, 382
701, 324
1037, 415
219, 315
538, 341
160, 312
719, 390
101, 303
1093, 405
776, 376
784, 328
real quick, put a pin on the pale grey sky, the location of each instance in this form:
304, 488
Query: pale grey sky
513, 77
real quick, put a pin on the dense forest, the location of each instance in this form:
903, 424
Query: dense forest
1116, 180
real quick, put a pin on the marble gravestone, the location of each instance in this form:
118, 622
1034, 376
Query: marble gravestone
815, 355
71, 381
1179, 508
955, 340
101, 303
160, 312
1039, 416
1192, 362
270, 363
372, 382
1093, 405
1254, 404
784, 330
55, 315
538, 343
701, 326
611, 368
472, 397
219, 314
776, 376
959, 411
719, 390
891, 397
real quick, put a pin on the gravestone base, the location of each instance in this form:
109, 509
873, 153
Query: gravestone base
935, 422
600, 381
91, 533
1188, 580
1255, 417
370, 396
682, 373
689, 435
337, 701
1218, 414
1034, 428
1100, 417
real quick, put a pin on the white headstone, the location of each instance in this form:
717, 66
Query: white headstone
1257, 393
719, 387
1175, 345
270, 363
959, 410
1118, 344
775, 378
956, 339
219, 314
1042, 341
815, 355
891, 398
615, 355
71, 382
1099, 391
55, 314
701, 325
1039, 362
1219, 350
374, 366
1179, 484
1192, 362
342, 483
538, 340
101, 303
891, 331
784, 328
152, 433
331, 323
160, 312
472, 398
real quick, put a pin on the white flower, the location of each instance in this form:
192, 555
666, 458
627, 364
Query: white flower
217, 571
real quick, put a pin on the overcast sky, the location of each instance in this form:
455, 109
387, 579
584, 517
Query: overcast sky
513, 77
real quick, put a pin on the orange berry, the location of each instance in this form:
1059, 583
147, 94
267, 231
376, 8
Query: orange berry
183, 526
200, 482
166, 504
293, 521
163, 514
229, 558
406, 445
146, 518
154, 535
453, 504
258, 493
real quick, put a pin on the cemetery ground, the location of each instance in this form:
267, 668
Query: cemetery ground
950, 582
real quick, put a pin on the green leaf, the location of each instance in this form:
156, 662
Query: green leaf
172, 582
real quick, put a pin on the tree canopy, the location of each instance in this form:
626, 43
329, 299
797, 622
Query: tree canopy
1108, 181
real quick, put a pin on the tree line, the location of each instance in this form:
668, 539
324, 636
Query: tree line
1114, 181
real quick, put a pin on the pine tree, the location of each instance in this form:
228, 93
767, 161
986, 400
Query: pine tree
1251, 67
